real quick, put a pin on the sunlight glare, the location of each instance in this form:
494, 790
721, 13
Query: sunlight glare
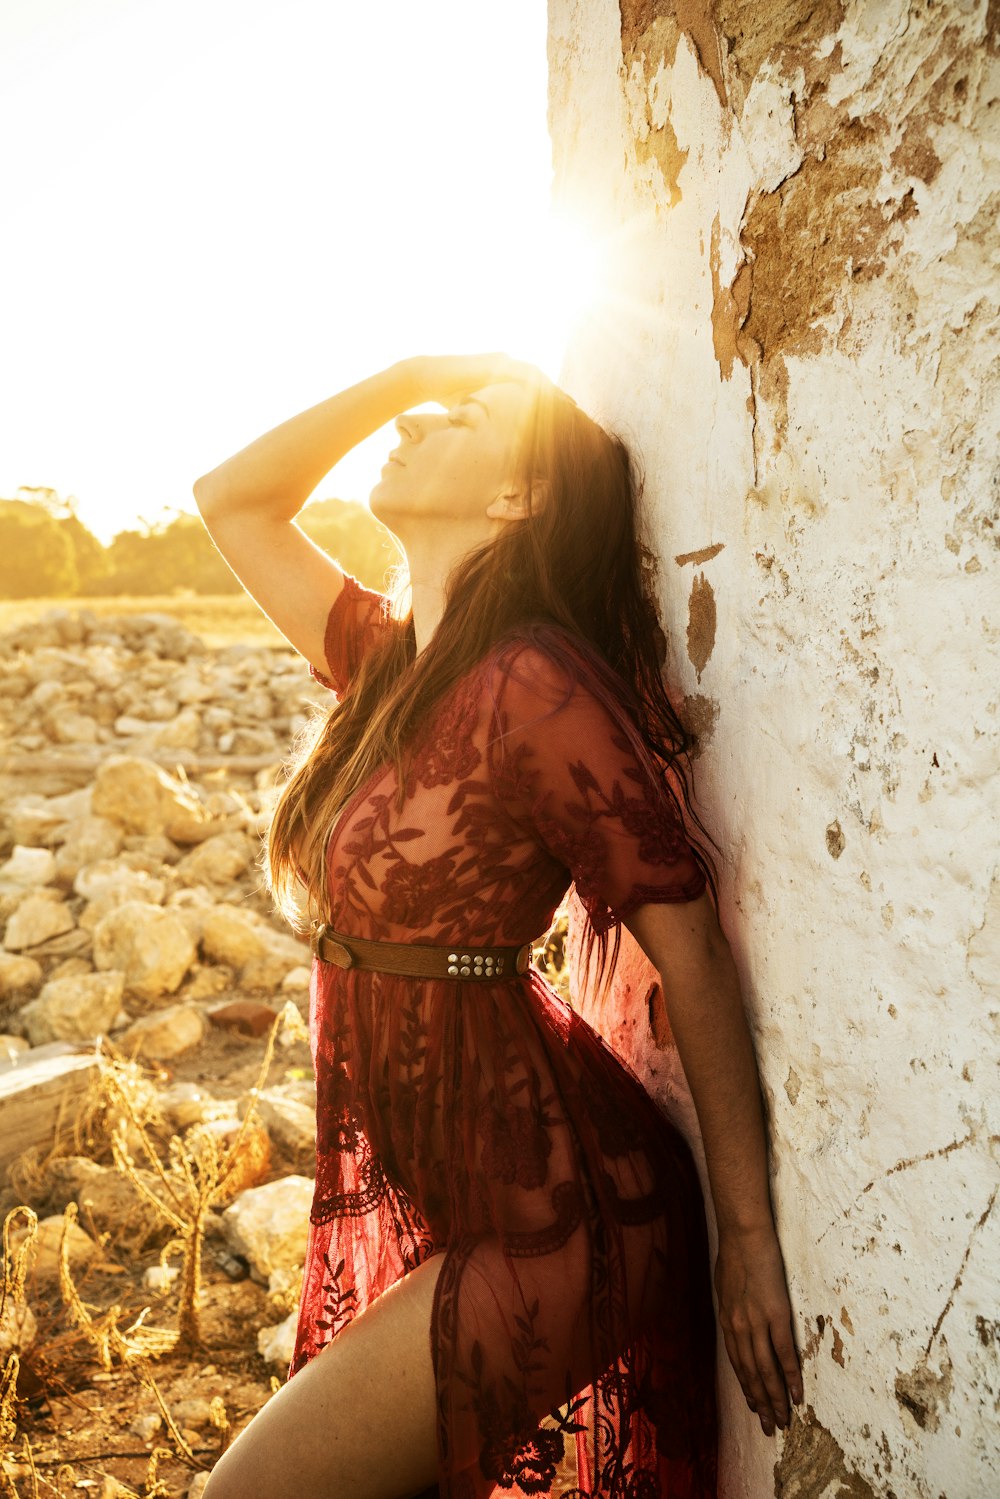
562, 282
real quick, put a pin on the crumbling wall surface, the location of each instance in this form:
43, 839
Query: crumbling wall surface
797, 327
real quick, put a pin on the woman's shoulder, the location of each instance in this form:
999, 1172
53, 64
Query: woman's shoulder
543, 662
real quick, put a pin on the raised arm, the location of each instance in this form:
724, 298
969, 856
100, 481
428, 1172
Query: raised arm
249, 503
701, 991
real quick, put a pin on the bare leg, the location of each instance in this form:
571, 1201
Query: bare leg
359, 1421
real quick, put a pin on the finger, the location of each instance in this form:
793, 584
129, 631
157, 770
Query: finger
738, 1368
783, 1342
753, 1386
767, 1368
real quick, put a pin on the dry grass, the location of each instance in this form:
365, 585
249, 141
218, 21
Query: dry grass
192, 1174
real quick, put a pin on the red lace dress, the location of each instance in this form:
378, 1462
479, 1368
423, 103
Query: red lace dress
573, 1331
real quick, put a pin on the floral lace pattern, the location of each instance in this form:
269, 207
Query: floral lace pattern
573, 1330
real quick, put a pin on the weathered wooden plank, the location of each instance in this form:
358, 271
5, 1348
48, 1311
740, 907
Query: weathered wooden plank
34, 1086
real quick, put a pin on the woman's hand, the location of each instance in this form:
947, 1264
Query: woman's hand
756, 1319
444, 377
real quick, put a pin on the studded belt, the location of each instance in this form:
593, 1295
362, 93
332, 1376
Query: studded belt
418, 959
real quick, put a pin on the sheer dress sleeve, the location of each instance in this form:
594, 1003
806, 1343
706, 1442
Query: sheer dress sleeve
357, 617
572, 770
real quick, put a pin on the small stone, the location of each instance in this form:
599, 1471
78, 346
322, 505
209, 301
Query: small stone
151, 946
28, 866
43, 1257
18, 975
245, 1016
269, 1225
277, 1344
165, 1034
146, 1425
36, 919
77, 1008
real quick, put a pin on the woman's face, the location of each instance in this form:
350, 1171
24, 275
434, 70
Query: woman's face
453, 464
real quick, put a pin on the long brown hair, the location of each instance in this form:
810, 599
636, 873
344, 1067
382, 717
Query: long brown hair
577, 561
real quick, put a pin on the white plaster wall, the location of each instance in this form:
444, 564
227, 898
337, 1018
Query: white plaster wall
798, 329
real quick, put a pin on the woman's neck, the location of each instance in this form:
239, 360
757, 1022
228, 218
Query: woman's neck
432, 552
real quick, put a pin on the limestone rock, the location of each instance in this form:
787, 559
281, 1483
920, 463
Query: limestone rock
151, 946
165, 1034
87, 842
237, 936
269, 1225
142, 798
43, 1257
128, 885
219, 860
290, 1123
36, 919
148, 1423
183, 1104
207, 982
18, 975
75, 1008
73, 728
181, 732
267, 974
107, 1196
277, 1344
28, 866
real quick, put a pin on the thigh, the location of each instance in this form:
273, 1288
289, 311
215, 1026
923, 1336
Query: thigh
359, 1420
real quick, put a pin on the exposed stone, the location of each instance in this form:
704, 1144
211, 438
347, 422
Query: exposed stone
152, 947
36, 919
236, 936
43, 1256
276, 1343
28, 866
219, 860
18, 975
109, 885
107, 1198
140, 797
269, 1225
88, 842
75, 1008
164, 1034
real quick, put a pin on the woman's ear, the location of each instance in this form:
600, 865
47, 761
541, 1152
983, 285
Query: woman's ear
513, 504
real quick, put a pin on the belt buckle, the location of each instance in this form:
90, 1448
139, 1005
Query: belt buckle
339, 955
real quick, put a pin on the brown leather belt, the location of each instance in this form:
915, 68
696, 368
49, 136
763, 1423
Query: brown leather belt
418, 960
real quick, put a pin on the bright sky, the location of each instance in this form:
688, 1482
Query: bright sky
218, 212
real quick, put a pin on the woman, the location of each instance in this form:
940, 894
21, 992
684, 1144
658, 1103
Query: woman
507, 1282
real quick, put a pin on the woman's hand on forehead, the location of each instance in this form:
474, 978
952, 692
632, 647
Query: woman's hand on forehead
447, 377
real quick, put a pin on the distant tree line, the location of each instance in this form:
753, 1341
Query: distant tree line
47, 551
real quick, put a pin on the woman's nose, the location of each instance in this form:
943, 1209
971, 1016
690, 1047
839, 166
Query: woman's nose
406, 426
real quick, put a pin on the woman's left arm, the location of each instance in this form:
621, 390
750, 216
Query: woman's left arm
701, 991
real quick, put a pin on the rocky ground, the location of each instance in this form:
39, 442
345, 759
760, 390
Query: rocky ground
137, 775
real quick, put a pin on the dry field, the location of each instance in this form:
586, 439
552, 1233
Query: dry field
220, 619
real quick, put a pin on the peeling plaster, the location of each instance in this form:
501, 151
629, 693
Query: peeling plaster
803, 338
